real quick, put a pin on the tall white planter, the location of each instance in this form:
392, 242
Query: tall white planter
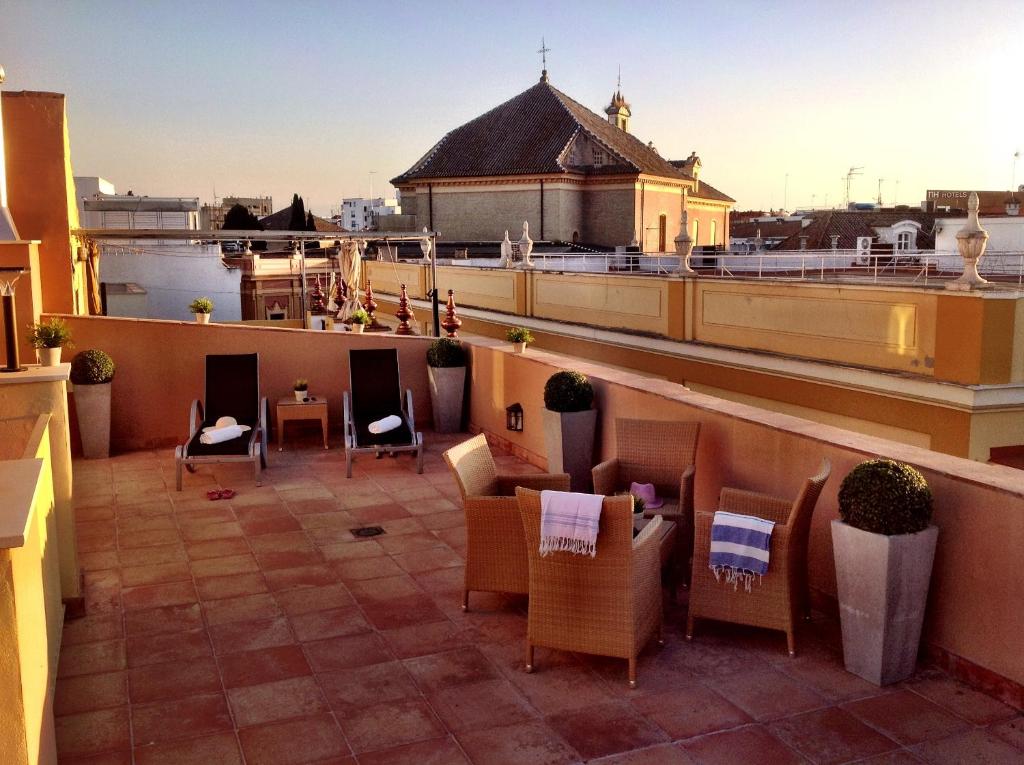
92, 402
447, 388
203, 318
883, 589
569, 440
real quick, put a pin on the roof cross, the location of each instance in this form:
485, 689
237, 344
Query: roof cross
544, 50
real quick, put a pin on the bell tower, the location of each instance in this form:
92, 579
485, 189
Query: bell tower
618, 110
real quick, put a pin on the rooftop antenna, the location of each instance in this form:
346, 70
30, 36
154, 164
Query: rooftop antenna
1013, 172
785, 194
880, 191
849, 176
544, 50
618, 87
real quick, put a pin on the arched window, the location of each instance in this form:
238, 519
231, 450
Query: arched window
696, 233
714, 233
903, 241
662, 232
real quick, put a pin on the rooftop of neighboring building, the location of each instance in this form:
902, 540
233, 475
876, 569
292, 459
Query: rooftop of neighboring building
532, 133
851, 224
279, 222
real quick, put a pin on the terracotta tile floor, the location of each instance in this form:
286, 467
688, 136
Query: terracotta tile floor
258, 630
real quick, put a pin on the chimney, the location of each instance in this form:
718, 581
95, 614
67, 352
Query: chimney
8, 231
803, 242
1012, 205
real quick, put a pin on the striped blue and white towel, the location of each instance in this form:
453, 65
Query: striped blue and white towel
739, 547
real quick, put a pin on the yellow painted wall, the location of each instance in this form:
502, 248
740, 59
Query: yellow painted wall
495, 289
853, 325
50, 398
388, 277
626, 302
979, 339
30, 604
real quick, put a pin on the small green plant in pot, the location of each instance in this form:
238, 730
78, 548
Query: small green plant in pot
359, 318
91, 374
638, 505
569, 426
301, 389
48, 338
884, 547
202, 307
520, 337
446, 374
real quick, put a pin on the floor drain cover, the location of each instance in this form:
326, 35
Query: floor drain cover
367, 531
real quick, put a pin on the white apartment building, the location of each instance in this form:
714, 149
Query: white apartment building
361, 214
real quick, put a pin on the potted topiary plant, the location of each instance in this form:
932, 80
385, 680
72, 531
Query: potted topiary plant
569, 426
301, 388
359, 319
91, 373
884, 548
48, 338
520, 337
446, 372
202, 307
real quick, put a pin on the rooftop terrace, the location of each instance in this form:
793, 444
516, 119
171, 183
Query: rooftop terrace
259, 630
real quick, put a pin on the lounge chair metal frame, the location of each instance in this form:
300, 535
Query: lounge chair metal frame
256, 452
352, 447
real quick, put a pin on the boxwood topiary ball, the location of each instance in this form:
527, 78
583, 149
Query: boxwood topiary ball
446, 352
568, 392
92, 367
885, 497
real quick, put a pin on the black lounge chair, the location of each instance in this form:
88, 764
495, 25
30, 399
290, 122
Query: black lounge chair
232, 390
375, 392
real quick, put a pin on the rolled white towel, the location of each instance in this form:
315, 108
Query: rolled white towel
219, 435
390, 422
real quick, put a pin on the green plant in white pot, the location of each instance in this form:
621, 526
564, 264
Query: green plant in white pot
359, 318
301, 388
446, 373
91, 373
202, 307
569, 426
520, 337
48, 338
884, 548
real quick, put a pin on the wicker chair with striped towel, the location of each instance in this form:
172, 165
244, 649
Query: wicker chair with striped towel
609, 605
781, 594
496, 551
663, 453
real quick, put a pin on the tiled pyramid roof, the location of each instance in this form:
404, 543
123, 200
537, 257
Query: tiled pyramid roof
528, 134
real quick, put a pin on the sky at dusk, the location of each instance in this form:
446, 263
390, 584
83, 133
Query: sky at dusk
181, 98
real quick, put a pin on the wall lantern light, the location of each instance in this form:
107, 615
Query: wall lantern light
514, 418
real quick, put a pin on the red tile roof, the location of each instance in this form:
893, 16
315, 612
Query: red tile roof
850, 224
279, 222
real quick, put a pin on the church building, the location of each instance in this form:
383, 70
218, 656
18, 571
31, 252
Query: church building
575, 177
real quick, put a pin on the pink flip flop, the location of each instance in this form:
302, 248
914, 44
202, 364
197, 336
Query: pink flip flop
227, 493
213, 494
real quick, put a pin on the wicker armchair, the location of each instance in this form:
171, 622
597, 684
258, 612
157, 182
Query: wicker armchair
662, 453
609, 605
780, 594
496, 553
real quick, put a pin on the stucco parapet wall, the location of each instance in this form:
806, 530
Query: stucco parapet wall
966, 398
995, 477
20, 481
37, 374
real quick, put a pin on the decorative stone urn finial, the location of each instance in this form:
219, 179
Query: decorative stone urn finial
684, 245
526, 246
425, 246
505, 261
971, 241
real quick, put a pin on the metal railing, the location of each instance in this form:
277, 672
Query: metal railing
928, 267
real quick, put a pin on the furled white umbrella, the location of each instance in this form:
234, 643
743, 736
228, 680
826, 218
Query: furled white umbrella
351, 271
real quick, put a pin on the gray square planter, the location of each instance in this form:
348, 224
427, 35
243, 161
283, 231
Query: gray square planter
447, 389
569, 440
92, 403
883, 589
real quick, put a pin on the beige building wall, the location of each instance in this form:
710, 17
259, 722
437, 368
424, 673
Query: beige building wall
469, 213
608, 214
